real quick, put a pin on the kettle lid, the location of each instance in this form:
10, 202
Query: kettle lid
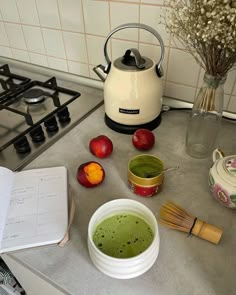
133, 61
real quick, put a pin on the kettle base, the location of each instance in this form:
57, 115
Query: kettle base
130, 129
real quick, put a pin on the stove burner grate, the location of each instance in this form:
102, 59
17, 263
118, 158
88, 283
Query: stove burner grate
10, 82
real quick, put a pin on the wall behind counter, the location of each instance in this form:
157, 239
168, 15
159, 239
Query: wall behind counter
68, 35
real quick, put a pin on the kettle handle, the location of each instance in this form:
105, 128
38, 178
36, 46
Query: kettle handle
138, 26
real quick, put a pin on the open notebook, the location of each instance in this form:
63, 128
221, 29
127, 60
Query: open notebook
33, 207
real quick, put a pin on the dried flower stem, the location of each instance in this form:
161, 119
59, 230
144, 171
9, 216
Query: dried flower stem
206, 100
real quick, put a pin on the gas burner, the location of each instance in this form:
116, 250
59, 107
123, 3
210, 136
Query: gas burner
34, 96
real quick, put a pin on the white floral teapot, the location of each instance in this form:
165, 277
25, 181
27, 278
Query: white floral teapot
222, 178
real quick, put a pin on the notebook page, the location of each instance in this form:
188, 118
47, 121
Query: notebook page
6, 181
38, 212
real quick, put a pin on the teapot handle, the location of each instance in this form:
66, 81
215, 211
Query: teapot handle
217, 154
138, 26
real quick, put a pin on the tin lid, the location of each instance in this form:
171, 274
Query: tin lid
226, 168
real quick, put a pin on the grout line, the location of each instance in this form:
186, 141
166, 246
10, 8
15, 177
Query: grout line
8, 39
182, 84
165, 80
89, 64
41, 32
85, 35
63, 38
34, 52
23, 32
91, 34
128, 2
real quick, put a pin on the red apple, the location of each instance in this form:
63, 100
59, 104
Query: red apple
90, 174
143, 139
101, 146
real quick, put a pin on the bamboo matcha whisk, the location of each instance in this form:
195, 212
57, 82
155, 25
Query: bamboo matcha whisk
177, 218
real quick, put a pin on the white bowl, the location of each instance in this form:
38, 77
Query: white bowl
123, 268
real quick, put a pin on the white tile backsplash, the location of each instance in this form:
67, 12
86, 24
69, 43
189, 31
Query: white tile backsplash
187, 74
34, 39
179, 91
48, 13
150, 15
6, 51
69, 35
58, 64
78, 68
131, 1
54, 44
226, 101
234, 89
232, 104
96, 17
159, 2
24, 6
75, 45
229, 84
20, 55
122, 13
3, 35
38, 59
15, 36
9, 11
71, 15
95, 50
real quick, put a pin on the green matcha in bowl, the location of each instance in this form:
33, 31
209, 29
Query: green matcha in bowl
123, 238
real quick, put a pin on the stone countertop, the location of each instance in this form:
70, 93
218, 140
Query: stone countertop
185, 265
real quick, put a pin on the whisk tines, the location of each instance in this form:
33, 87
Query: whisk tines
175, 217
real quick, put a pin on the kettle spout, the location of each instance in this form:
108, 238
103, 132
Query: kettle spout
101, 72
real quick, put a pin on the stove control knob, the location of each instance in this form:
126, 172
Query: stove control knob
37, 134
63, 115
51, 124
22, 145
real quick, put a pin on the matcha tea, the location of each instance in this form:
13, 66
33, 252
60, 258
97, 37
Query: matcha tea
146, 166
146, 170
123, 235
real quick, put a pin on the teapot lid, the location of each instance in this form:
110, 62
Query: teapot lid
134, 62
226, 168
230, 166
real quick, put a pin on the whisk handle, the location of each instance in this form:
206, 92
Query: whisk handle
207, 231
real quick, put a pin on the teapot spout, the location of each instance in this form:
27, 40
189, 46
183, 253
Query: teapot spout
100, 71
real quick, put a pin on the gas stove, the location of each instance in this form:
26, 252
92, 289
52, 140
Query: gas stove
35, 114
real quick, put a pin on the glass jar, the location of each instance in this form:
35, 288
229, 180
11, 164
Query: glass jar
205, 119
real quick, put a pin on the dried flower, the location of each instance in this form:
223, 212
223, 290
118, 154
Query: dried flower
207, 29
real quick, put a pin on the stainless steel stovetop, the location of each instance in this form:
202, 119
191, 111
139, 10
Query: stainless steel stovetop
35, 114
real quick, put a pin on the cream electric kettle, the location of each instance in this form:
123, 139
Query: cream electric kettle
133, 87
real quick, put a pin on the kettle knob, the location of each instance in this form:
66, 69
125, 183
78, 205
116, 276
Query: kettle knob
135, 60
